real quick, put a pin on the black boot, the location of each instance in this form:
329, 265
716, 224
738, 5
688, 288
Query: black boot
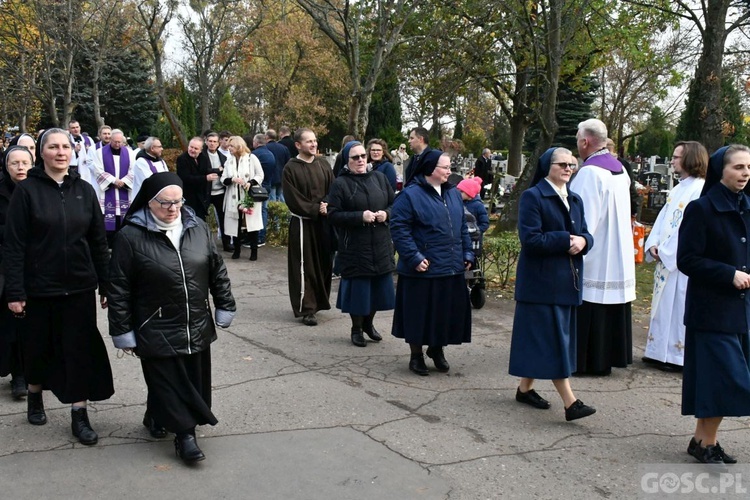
35, 412
436, 353
237, 249
18, 387
370, 330
417, 365
253, 237
186, 447
81, 427
358, 339
226, 242
156, 430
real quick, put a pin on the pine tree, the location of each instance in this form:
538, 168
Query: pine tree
229, 116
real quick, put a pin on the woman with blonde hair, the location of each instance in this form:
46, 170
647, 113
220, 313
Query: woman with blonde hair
241, 171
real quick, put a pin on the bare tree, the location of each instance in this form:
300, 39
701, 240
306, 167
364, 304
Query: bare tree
216, 31
365, 33
153, 16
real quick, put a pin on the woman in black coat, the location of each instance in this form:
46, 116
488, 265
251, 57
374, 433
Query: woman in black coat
164, 265
55, 256
713, 252
18, 160
359, 205
554, 239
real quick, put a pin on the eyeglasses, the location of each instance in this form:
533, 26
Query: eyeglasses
444, 168
166, 205
571, 166
358, 157
376, 150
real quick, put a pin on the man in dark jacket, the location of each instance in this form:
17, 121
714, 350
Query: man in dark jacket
194, 170
285, 139
419, 142
282, 155
483, 170
268, 163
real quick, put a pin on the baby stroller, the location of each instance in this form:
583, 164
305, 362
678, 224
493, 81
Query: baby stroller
475, 275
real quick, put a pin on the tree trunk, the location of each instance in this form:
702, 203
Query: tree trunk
708, 75
95, 94
363, 117
353, 122
518, 128
174, 122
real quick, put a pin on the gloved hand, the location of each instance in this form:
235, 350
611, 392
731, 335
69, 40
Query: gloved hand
223, 318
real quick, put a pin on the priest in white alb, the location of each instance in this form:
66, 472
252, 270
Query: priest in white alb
604, 328
114, 166
665, 344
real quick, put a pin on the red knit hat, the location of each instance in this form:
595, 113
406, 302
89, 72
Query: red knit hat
471, 186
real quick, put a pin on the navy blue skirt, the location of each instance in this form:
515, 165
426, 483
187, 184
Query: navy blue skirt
543, 345
432, 311
362, 296
716, 374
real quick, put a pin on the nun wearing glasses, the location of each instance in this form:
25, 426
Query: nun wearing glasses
164, 267
554, 240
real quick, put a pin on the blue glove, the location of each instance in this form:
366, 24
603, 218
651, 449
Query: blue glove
223, 318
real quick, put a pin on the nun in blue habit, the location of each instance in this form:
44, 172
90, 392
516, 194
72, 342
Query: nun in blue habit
554, 238
714, 252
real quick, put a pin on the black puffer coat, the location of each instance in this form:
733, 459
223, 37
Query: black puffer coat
161, 295
364, 249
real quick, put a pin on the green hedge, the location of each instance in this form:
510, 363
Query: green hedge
277, 229
500, 256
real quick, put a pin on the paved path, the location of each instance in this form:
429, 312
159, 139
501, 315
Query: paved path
303, 414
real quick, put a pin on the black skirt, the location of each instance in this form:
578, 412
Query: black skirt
605, 338
63, 349
432, 311
179, 390
10, 345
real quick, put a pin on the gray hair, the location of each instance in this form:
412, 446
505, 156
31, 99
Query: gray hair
486, 150
557, 153
594, 129
149, 143
259, 139
116, 131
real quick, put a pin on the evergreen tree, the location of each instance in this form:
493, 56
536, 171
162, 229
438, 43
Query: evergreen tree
733, 124
656, 139
384, 115
229, 116
186, 109
573, 107
127, 97
458, 131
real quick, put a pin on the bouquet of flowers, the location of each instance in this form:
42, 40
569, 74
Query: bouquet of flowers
246, 205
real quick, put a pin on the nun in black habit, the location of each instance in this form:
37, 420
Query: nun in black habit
164, 267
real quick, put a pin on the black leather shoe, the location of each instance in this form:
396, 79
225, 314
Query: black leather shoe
254, 254
670, 368
695, 449
578, 410
186, 447
531, 398
156, 430
358, 339
309, 320
35, 409
81, 427
417, 365
710, 455
18, 387
436, 353
372, 333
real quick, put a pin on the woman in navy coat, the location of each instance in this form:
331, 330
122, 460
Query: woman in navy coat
428, 227
554, 238
713, 251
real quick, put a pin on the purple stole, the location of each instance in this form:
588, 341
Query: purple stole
110, 198
151, 165
603, 159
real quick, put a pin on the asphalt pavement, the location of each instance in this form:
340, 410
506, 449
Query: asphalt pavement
304, 414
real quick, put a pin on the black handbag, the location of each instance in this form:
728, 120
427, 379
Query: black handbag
258, 193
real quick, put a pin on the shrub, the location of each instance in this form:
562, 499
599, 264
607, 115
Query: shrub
277, 229
500, 255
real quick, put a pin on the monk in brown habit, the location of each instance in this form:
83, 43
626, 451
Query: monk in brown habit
306, 181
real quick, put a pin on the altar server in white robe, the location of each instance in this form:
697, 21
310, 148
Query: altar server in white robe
665, 343
604, 329
148, 161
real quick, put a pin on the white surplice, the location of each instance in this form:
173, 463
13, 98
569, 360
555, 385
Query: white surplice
609, 266
666, 332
